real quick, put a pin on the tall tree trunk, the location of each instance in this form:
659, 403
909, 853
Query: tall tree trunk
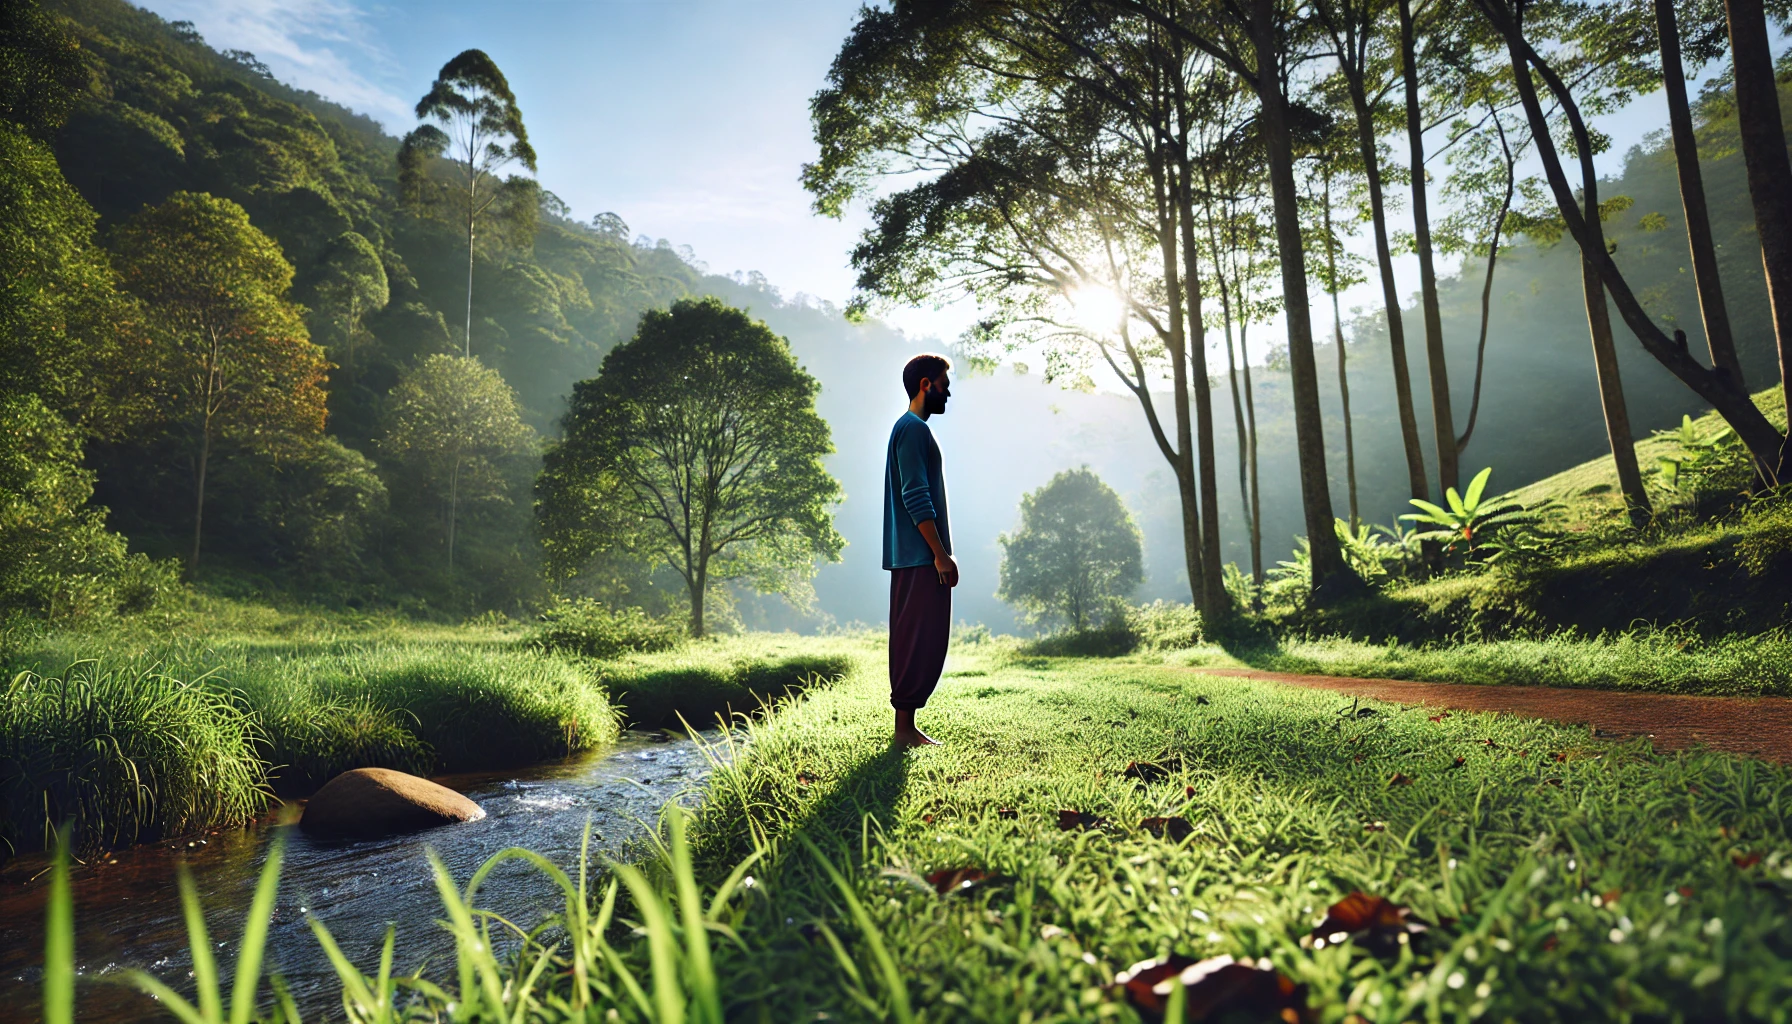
1611, 398
697, 588
1332, 576
1331, 269
1692, 198
1769, 178
1443, 422
1219, 275
1390, 292
1175, 341
1493, 255
205, 456
1219, 604
453, 507
472, 212
1250, 415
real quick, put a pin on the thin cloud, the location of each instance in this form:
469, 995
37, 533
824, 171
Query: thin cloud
309, 44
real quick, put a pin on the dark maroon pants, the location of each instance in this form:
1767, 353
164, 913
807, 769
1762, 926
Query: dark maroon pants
920, 625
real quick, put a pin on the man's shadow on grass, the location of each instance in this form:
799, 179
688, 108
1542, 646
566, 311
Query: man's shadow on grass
836, 821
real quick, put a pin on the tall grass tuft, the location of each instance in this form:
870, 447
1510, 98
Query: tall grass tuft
125, 751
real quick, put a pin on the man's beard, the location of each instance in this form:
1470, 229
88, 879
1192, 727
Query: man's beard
935, 403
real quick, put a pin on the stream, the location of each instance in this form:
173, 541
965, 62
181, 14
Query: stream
127, 904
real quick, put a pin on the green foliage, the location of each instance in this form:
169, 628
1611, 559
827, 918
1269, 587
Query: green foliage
594, 630
1076, 553
126, 751
697, 447
1471, 521
63, 324
57, 559
453, 424
41, 70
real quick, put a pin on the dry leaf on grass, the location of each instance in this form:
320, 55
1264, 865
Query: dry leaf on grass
1372, 921
1177, 828
1218, 988
1070, 821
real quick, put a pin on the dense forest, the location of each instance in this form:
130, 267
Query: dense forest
128, 135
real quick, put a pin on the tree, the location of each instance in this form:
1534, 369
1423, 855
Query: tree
453, 420
1076, 553
41, 70
472, 100
353, 284
697, 447
231, 359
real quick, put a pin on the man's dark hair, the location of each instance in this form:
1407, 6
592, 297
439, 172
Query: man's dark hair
927, 365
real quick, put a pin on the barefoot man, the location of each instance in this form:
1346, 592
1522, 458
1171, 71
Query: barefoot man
918, 548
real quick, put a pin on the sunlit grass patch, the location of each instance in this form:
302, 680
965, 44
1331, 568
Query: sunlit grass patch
1564, 878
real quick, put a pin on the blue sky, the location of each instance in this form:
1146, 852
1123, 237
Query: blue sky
689, 118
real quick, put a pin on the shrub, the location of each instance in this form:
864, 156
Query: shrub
1165, 626
591, 629
127, 752
700, 682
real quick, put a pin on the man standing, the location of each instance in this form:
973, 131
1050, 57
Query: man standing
918, 548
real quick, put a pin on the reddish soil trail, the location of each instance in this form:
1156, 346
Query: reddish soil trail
1760, 726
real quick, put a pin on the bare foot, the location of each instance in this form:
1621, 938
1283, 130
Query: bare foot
912, 737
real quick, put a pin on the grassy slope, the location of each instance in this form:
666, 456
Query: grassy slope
1683, 572
1512, 851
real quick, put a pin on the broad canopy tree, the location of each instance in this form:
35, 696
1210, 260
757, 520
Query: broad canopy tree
230, 359
454, 421
698, 448
1076, 553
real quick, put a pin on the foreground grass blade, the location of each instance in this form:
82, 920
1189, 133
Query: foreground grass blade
699, 972
255, 935
59, 940
886, 964
205, 968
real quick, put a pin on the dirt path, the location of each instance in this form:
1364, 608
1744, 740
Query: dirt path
1761, 726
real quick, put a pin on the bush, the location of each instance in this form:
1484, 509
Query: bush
127, 752
591, 629
706, 679
1165, 626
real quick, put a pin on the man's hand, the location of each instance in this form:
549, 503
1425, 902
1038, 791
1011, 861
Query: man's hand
942, 562
946, 567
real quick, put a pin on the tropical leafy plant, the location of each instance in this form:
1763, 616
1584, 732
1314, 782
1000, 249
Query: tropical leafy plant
1471, 520
1699, 457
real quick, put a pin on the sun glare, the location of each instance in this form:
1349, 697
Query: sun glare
1096, 309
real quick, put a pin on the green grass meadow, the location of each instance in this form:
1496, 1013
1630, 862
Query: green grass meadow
1560, 877
137, 733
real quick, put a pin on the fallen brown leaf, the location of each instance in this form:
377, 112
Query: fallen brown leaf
1177, 828
1216, 988
1685, 892
1439, 718
1400, 780
1145, 771
1372, 921
805, 779
1070, 821
1747, 860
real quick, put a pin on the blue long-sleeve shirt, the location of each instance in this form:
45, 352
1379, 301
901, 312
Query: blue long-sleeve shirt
914, 492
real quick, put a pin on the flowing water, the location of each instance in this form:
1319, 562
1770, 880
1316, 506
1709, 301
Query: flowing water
127, 906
